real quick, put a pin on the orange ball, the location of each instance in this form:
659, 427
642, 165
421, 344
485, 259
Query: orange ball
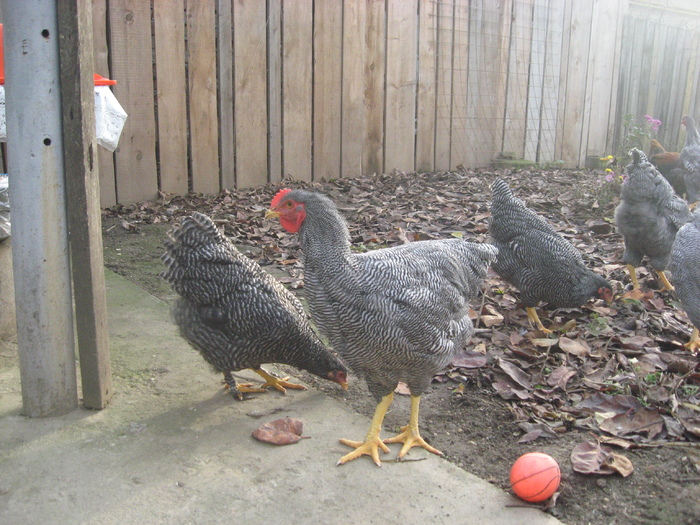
535, 476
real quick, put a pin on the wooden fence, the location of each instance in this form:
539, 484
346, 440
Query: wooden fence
236, 93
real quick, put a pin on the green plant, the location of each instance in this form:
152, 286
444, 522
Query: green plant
637, 134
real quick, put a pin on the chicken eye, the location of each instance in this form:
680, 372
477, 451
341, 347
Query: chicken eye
289, 204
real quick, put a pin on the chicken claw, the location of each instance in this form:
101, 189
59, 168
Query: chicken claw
280, 383
535, 319
238, 389
410, 436
694, 344
372, 443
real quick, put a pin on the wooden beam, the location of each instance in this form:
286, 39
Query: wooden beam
83, 194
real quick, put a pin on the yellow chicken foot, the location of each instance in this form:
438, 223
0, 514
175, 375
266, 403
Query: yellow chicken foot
694, 344
280, 383
238, 389
372, 443
535, 319
666, 285
633, 276
410, 436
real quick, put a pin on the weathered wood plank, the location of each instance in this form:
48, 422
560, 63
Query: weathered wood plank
550, 93
75, 34
203, 112
297, 85
574, 140
224, 68
274, 87
535, 90
250, 106
171, 86
444, 80
518, 67
105, 158
328, 55
461, 62
401, 75
605, 39
132, 68
353, 89
373, 148
425, 111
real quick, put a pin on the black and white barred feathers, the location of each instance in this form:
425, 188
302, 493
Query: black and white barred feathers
231, 310
690, 159
393, 314
685, 267
534, 258
649, 214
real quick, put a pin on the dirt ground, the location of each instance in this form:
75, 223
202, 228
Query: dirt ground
463, 414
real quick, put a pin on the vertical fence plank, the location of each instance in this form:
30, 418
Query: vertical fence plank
250, 105
373, 149
224, 68
601, 68
425, 100
399, 125
574, 144
274, 87
297, 41
328, 49
518, 66
460, 81
171, 85
132, 68
203, 112
550, 92
445, 73
536, 80
105, 158
353, 104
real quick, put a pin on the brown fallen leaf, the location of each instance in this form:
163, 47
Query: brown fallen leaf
591, 457
576, 347
285, 431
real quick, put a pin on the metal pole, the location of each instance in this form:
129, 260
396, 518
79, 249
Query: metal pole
37, 202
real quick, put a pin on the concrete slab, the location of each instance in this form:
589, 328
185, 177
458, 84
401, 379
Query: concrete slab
173, 447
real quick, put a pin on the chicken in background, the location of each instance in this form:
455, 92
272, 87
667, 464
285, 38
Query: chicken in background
393, 314
535, 259
690, 158
648, 217
685, 273
669, 165
236, 314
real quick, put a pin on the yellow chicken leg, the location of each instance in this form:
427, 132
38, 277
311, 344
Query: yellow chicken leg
666, 285
372, 443
238, 389
277, 382
694, 342
410, 436
633, 276
535, 319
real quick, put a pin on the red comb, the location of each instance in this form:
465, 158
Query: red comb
278, 198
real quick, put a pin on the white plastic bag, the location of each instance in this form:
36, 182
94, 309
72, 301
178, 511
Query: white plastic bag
109, 117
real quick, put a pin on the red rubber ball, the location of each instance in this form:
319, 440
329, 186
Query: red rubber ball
535, 476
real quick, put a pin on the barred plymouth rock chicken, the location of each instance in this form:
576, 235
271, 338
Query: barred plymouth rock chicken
236, 314
669, 165
534, 258
685, 273
690, 158
648, 217
394, 314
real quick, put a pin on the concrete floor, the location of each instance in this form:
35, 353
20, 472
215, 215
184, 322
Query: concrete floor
174, 447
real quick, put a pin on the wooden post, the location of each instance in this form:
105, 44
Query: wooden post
83, 196
38, 200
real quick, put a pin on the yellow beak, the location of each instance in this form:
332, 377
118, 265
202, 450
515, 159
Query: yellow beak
271, 214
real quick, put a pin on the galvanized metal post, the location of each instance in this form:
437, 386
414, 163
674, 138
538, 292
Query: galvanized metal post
37, 199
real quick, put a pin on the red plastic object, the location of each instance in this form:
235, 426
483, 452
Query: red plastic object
102, 81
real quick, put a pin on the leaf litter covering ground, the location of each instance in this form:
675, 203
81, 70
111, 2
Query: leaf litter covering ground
611, 387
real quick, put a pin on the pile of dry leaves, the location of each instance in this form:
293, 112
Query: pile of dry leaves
618, 370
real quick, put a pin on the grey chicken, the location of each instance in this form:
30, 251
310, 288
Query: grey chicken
534, 258
393, 314
648, 217
690, 159
685, 272
237, 315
